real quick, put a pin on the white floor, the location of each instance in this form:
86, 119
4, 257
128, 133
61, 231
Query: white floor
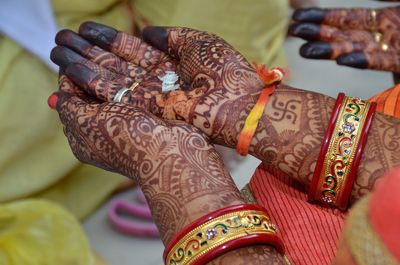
322, 76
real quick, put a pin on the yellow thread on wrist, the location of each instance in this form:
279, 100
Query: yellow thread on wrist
270, 80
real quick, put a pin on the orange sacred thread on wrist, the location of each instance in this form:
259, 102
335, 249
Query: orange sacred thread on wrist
270, 80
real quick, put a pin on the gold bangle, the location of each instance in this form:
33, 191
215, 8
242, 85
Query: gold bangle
133, 86
344, 152
221, 233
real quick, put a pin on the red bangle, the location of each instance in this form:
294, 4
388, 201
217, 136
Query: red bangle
324, 147
334, 177
219, 232
343, 202
249, 240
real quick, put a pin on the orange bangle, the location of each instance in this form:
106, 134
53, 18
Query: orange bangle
332, 185
270, 80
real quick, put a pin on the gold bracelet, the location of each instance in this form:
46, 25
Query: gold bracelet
223, 233
334, 183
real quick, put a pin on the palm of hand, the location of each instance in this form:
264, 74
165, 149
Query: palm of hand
219, 81
119, 137
216, 81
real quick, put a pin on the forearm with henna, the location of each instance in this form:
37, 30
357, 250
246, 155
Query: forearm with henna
185, 181
181, 189
292, 128
290, 133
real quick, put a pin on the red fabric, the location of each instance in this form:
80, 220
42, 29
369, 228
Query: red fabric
309, 232
384, 212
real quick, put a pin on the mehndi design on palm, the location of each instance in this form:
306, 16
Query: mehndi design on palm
214, 79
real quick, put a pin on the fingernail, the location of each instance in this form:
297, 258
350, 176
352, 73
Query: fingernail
316, 50
306, 31
313, 14
157, 36
102, 35
355, 59
72, 40
52, 100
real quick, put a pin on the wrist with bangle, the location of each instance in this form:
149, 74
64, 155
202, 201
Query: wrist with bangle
341, 151
220, 232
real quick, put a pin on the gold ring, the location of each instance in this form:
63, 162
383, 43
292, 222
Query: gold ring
384, 47
133, 86
373, 19
378, 39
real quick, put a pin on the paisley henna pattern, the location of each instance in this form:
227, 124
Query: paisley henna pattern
179, 171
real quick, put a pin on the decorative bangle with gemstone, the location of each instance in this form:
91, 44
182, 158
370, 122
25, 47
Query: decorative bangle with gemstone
324, 147
335, 172
219, 232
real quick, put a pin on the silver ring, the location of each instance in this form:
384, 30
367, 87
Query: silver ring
120, 94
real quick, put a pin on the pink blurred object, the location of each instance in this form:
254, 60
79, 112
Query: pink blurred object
139, 210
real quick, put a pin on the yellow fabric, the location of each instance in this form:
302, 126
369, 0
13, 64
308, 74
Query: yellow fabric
35, 158
71, 13
36, 232
256, 28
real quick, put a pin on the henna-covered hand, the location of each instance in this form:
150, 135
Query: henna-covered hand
356, 37
180, 172
224, 89
102, 73
216, 81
